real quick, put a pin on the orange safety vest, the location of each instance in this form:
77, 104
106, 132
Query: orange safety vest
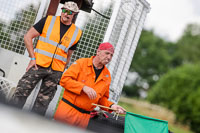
49, 49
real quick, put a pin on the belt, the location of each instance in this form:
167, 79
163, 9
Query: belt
74, 106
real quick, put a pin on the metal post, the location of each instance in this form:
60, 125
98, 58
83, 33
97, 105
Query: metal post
53, 6
112, 21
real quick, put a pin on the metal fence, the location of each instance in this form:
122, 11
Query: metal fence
124, 31
16, 18
94, 27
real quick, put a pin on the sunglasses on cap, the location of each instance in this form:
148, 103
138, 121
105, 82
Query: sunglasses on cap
66, 11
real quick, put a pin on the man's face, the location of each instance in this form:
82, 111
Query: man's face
105, 56
67, 15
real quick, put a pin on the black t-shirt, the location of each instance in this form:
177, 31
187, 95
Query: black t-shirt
63, 29
97, 71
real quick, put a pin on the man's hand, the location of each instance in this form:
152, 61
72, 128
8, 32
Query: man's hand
90, 92
31, 64
118, 108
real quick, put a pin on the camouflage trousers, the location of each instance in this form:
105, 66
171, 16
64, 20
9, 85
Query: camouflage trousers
27, 83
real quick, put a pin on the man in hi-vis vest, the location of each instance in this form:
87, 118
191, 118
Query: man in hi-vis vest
58, 38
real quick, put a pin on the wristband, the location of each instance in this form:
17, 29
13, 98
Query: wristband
32, 58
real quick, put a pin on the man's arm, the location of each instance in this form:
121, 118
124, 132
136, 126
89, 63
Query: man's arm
32, 33
69, 79
104, 101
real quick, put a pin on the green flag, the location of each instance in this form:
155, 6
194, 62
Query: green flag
135, 123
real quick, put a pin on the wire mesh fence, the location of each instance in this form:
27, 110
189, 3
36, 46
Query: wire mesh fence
126, 18
121, 27
7, 88
94, 27
16, 18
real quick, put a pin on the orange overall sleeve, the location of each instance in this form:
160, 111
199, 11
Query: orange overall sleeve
69, 79
104, 99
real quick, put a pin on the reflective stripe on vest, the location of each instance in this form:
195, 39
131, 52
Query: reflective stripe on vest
51, 55
73, 39
47, 40
51, 26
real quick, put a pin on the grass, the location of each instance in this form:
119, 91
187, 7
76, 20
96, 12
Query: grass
150, 110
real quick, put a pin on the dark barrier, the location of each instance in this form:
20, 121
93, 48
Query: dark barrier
101, 124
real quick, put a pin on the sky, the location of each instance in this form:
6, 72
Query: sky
168, 18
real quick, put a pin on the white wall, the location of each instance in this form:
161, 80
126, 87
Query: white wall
13, 64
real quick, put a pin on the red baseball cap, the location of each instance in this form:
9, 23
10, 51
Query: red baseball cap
106, 46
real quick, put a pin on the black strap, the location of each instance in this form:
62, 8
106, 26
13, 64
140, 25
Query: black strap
74, 106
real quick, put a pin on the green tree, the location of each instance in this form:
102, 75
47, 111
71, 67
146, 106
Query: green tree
189, 45
179, 90
14, 32
152, 58
131, 91
155, 56
18, 27
3, 34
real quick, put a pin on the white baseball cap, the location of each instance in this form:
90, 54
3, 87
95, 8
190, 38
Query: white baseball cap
71, 6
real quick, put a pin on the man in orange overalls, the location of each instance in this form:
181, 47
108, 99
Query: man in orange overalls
86, 81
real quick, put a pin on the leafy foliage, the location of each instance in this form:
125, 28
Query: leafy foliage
189, 45
152, 58
131, 92
179, 90
14, 32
